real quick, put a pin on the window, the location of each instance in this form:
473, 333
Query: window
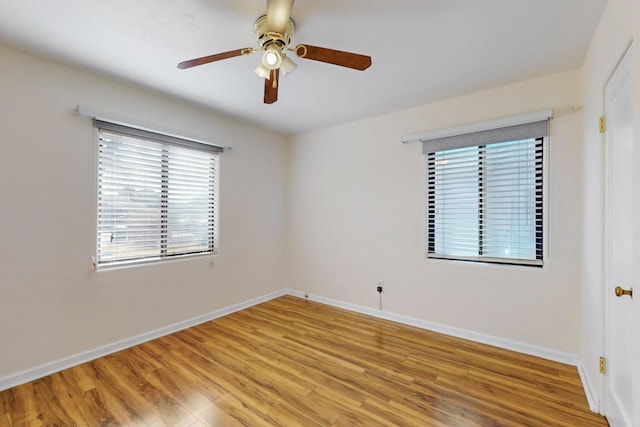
485, 195
157, 196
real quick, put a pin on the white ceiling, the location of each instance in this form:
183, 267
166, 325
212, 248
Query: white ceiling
422, 50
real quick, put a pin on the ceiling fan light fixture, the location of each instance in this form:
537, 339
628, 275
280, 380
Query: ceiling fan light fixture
287, 66
272, 58
263, 71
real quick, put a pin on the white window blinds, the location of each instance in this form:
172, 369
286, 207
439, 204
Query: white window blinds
485, 195
157, 196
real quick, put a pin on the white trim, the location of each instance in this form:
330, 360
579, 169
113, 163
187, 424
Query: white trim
592, 396
479, 127
520, 347
531, 350
295, 293
87, 356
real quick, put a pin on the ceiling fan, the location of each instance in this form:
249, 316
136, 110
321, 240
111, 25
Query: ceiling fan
274, 31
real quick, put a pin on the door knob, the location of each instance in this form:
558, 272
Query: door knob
622, 292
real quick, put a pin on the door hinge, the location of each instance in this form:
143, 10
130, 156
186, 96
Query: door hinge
602, 124
603, 365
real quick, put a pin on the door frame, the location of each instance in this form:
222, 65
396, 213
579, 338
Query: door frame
624, 65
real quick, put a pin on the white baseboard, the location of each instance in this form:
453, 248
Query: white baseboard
592, 399
532, 350
68, 362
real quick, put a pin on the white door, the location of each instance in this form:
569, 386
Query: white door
619, 223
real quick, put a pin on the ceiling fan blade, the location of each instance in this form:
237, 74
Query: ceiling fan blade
335, 57
278, 15
213, 58
271, 87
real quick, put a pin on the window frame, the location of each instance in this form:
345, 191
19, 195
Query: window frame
441, 140
164, 140
482, 172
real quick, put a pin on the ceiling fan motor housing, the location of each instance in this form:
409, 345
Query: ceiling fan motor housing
270, 38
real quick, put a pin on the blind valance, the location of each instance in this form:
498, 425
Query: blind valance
154, 136
538, 129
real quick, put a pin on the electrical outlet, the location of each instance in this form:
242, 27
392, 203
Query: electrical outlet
379, 287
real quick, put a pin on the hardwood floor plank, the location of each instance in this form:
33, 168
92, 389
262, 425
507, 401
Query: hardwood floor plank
121, 395
547, 390
292, 362
383, 413
229, 411
182, 367
513, 402
20, 406
88, 405
55, 408
5, 420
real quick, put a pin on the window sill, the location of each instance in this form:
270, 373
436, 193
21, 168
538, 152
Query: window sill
154, 261
489, 262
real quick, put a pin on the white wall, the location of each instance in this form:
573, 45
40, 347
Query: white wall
356, 215
618, 26
51, 304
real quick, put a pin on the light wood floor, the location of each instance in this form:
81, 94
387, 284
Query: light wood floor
292, 362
